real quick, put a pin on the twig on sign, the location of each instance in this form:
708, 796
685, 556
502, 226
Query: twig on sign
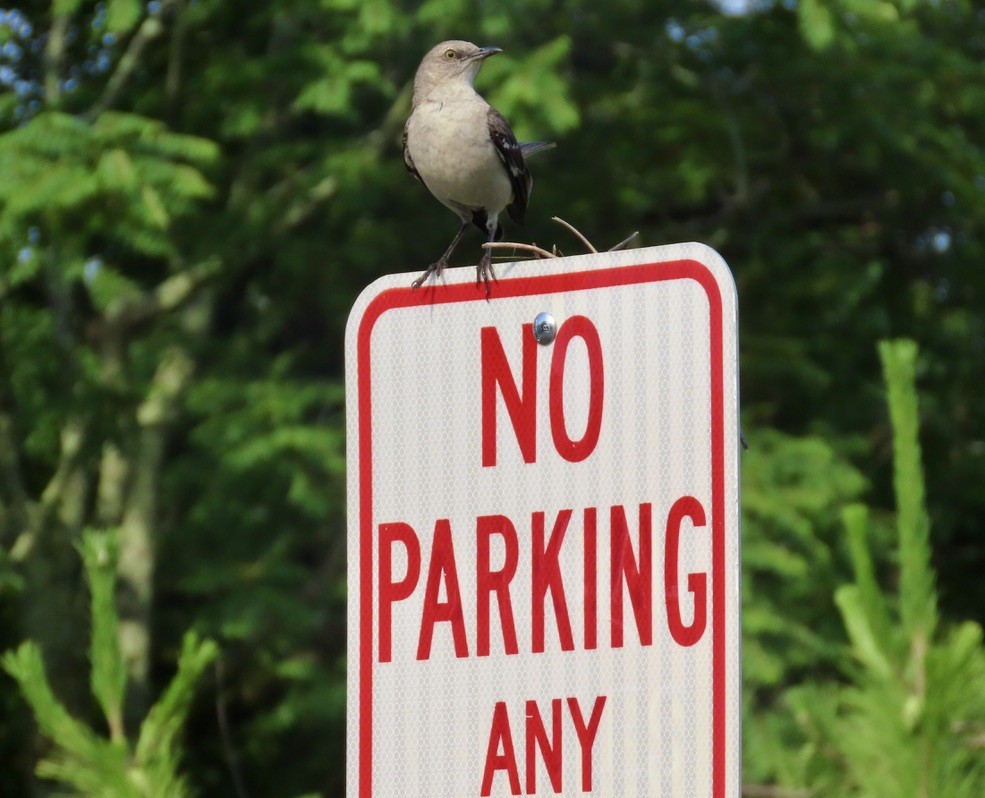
576, 231
541, 253
627, 240
554, 252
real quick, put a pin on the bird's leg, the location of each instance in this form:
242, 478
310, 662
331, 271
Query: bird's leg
436, 267
484, 270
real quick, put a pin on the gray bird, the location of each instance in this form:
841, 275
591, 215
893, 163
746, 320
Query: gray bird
464, 151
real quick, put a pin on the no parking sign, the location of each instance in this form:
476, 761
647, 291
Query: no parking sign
544, 531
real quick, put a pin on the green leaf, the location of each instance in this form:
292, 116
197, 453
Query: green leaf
122, 15
816, 23
157, 213
107, 286
26, 266
875, 10
534, 87
117, 171
64, 7
61, 187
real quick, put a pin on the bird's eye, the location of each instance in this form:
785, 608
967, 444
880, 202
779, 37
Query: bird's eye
450, 55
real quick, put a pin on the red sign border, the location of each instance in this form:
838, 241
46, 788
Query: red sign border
565, 282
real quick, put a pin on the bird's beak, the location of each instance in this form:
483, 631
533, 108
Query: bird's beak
484, 52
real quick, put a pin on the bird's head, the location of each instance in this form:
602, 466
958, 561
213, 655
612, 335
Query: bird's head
454, 60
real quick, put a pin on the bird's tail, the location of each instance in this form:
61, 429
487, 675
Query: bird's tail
528, 148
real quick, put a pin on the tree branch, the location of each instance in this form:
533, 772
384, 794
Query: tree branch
137, 558
168, 296
172, 80
53, 54
300, 205
13, 480
72, 441
149, 29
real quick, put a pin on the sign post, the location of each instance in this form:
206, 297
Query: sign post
543, 550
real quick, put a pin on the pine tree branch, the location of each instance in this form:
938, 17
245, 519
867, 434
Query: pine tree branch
918, 595
108, 677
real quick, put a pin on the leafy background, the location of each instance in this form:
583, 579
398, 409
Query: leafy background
192, 193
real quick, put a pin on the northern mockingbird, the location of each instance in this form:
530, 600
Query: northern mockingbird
463, 150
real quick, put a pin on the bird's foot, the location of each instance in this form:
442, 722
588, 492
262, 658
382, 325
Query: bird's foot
435, 269
484, 270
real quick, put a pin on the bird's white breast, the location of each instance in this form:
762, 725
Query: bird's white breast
448, 141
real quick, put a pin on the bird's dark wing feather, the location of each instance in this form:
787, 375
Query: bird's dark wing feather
511, 154
408, 161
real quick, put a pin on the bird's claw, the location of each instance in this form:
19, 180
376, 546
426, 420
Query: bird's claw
435, 269
483, 271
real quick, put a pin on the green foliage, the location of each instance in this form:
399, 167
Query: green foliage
909, 720
862, 606
819, 19
816, 23
792, 560
81, 759
58, 171
792, 490
122, 15
531, 87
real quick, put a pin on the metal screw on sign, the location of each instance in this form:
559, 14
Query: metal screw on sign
545, 328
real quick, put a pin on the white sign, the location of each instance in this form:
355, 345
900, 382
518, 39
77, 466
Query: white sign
544, 538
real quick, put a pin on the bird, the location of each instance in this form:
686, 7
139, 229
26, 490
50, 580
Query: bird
464, 151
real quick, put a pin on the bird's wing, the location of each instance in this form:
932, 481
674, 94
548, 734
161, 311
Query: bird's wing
529, 148
408, 161
511, 154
